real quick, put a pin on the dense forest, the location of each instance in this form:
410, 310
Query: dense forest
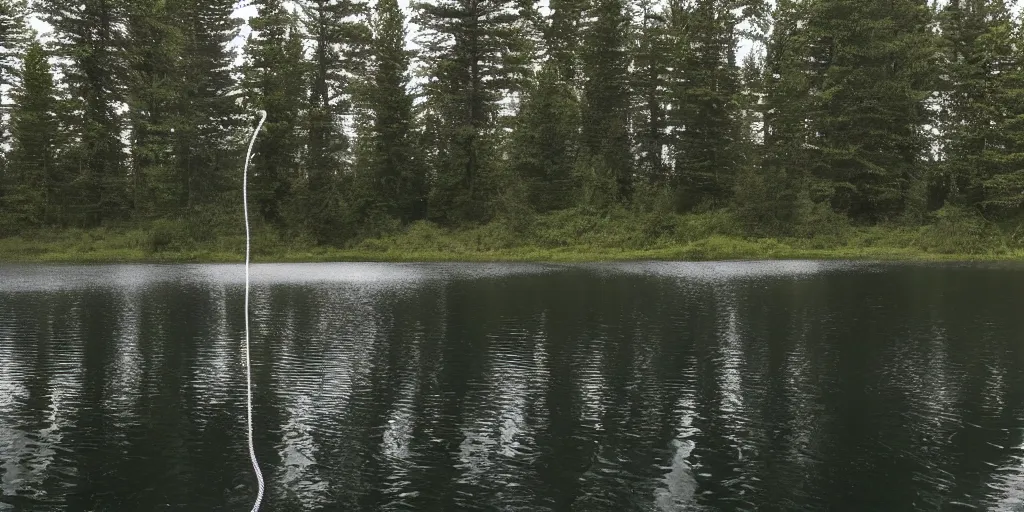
868, 111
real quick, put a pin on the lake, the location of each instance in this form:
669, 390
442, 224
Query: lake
600, 387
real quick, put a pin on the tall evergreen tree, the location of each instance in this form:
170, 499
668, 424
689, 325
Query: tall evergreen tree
651, 64
605, 112
705, 123
339, 37
870, 84
463, 50
153, 87
981, 64
766, 196
545, 140
563, 37
32, 189
399, 181
14, 37
90, 40
273, 80
205, 130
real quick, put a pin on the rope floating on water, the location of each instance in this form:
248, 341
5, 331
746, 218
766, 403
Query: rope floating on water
248, 367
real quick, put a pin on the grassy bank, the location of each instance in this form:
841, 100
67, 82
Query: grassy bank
559, 237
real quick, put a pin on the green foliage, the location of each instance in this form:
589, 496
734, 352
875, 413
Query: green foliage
274, 81
652, 59
958, 231
206, 130
545, 141
605, 134
33, 191
766, 201
584, 129
340, 39
154, 85
563, 37
389, 156
89, 37
874, 68
818, 220
703, 93
14, 38
598, 189
464, 43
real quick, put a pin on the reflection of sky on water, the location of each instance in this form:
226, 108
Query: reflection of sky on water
123, 389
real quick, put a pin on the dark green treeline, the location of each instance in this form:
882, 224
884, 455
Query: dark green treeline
867, 110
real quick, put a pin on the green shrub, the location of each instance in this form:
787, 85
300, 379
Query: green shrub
958, 230
817, 220
163, 235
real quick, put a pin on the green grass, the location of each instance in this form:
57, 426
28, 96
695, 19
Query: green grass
566, 236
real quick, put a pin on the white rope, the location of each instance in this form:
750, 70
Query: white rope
248, 368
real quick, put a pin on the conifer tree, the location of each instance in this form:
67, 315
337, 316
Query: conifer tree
153, 87
651, 64
869, 82
766, 195
463, 47
399, 181
981, 63
705, 124
32, 188
545, 140
274, 81
14, 37
206, 139
90, 40
563, 37
605, 134
339, 38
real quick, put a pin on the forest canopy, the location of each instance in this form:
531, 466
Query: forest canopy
856, 111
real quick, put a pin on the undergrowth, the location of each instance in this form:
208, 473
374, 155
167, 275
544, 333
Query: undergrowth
567, 235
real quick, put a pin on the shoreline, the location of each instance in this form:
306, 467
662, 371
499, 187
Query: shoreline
703, 250
561, 237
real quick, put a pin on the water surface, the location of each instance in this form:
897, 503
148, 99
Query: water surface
618, 387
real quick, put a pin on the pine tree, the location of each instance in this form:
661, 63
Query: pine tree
705, 123
15, 37
766, 195
339, 37
545, 140
870, 84
1003, 157
463, 51
399, 181
980, 63
154, 86
89, 39
522, 53
274, 81
33, 191
206, 142
563, 37
605, 134
651, 63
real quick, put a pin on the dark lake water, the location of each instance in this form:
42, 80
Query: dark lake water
614, 387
